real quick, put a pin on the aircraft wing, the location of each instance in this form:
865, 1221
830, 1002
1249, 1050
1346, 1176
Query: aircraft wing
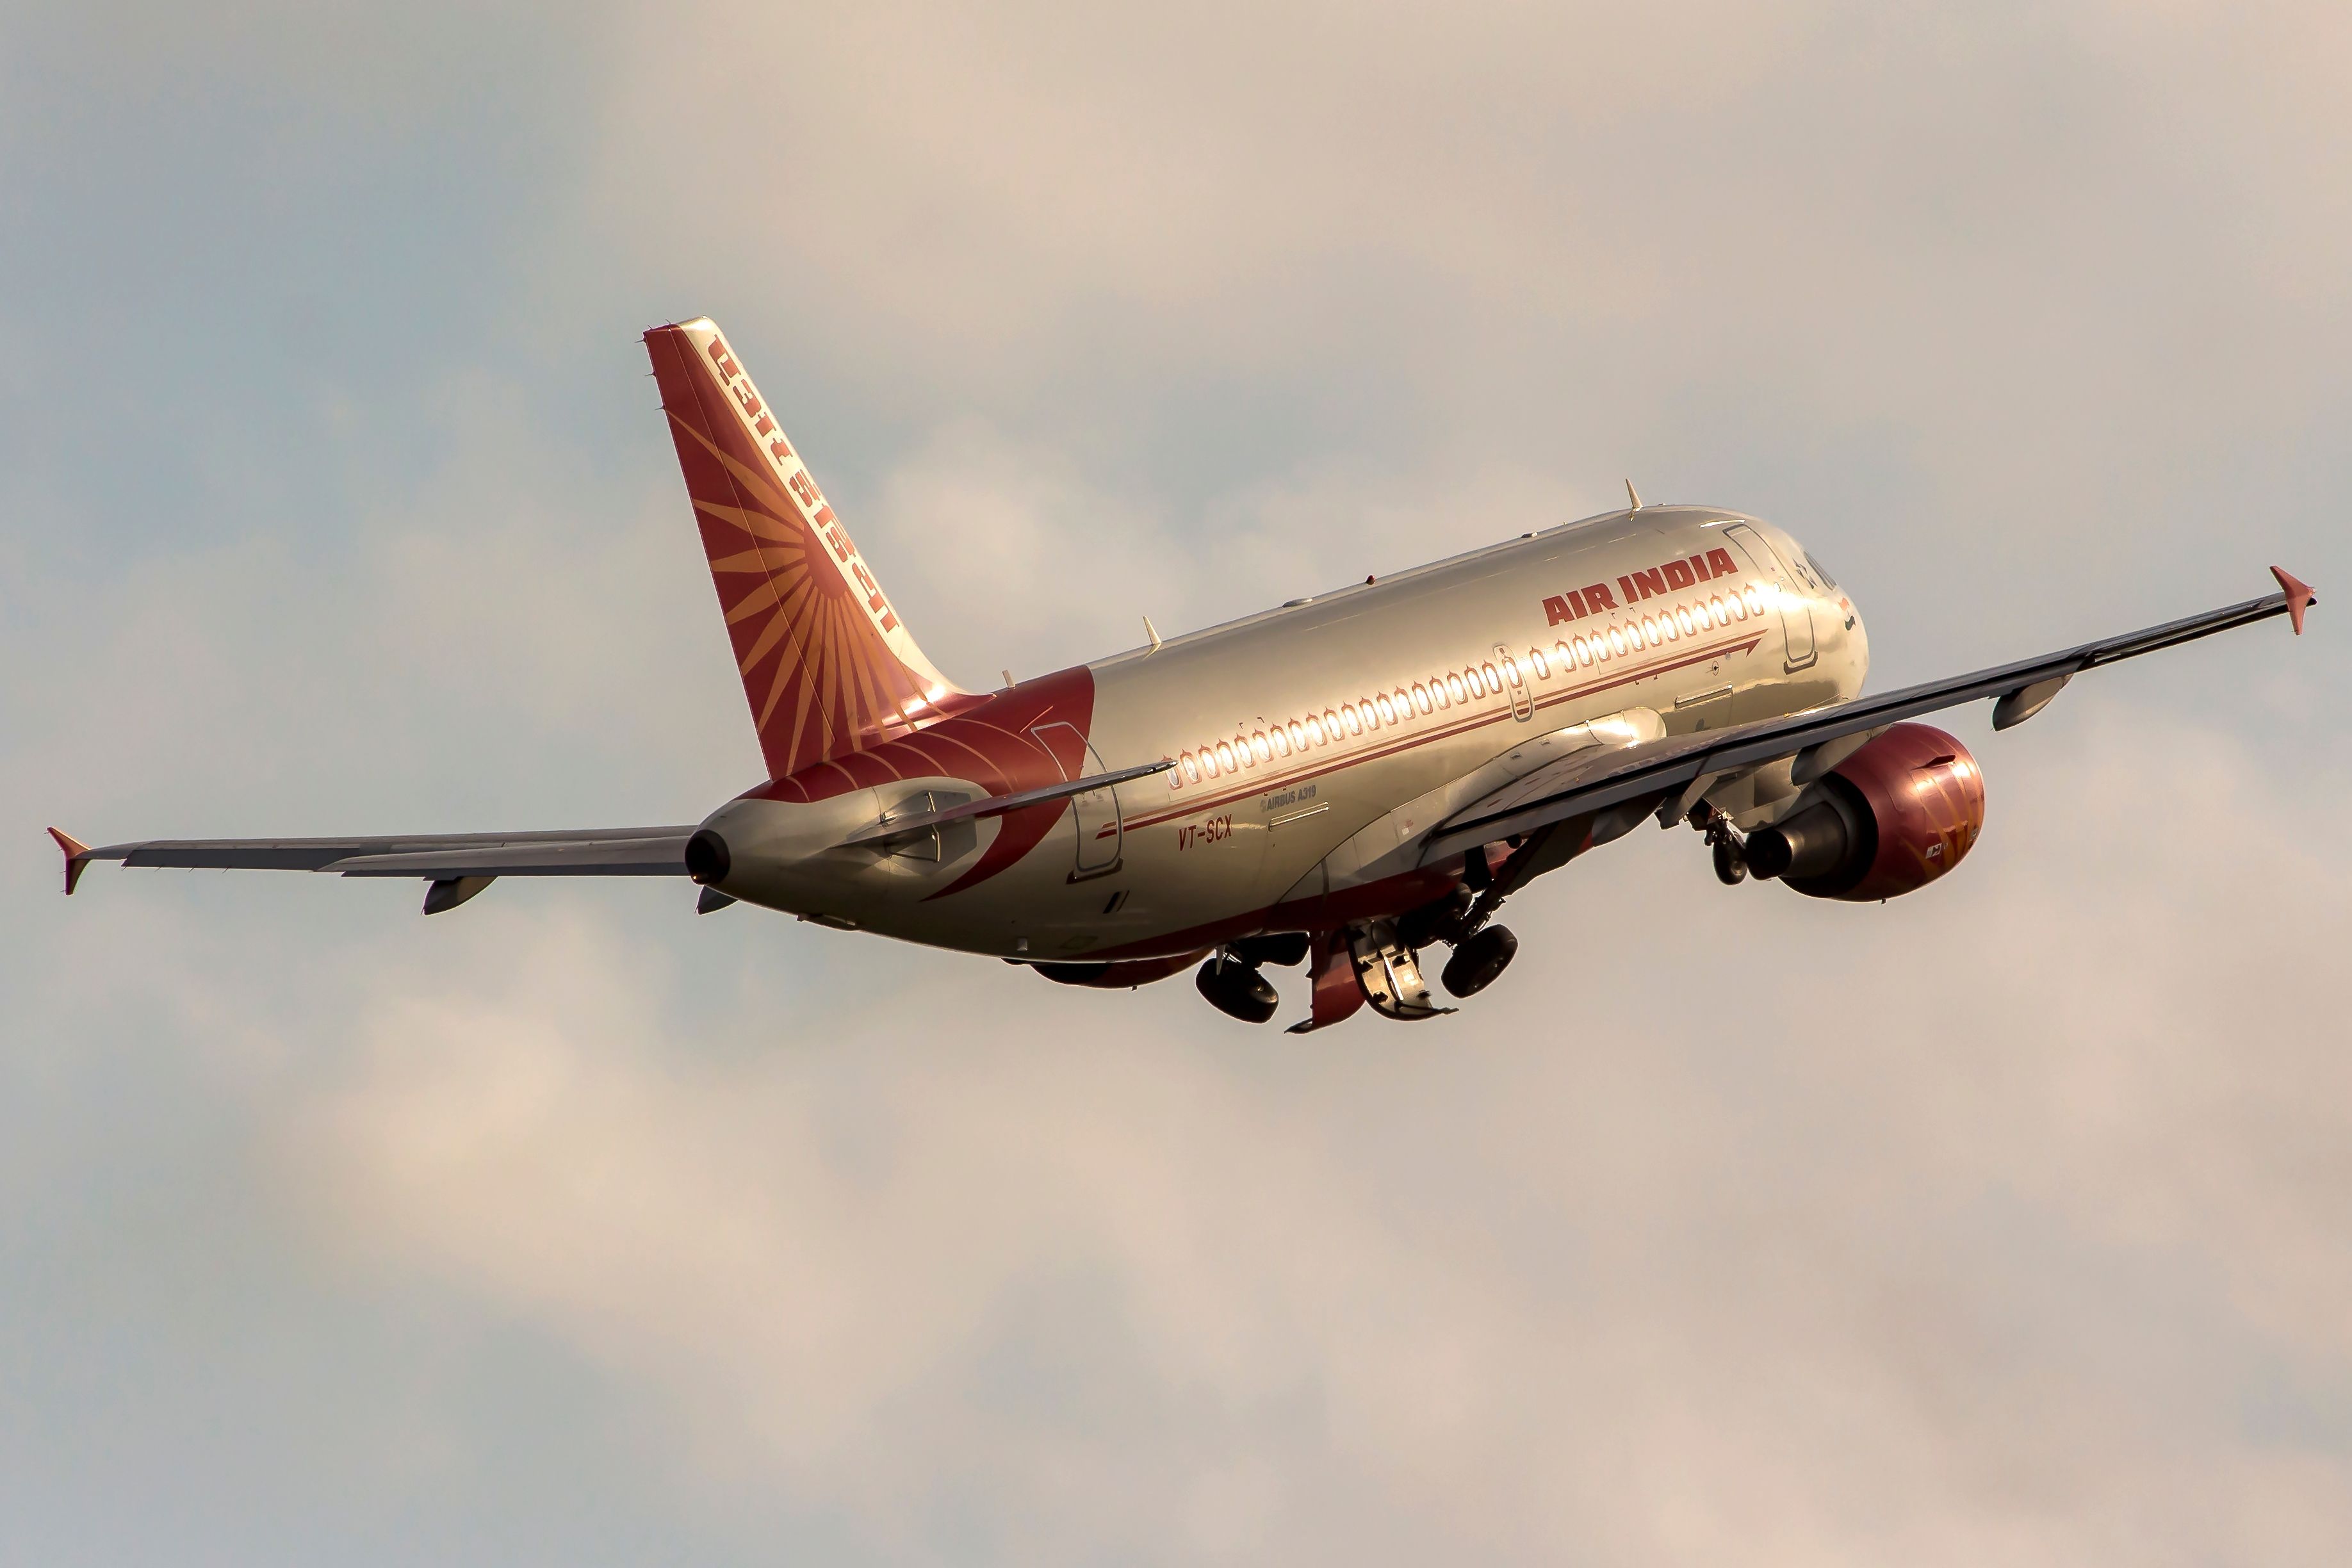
1638, 780
572, 852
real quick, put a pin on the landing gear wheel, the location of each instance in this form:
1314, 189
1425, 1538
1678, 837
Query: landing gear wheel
1479, 959
1730, 869
1237, 990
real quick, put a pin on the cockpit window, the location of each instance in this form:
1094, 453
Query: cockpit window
1819, 570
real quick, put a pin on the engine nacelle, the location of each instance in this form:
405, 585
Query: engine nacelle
1892, 817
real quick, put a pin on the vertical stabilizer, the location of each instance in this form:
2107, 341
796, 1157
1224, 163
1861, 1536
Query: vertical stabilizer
828, 665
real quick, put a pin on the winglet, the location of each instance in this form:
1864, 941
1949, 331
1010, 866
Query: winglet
1632, 495
2299, 597
75, 850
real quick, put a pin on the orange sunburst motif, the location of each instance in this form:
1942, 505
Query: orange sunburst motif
827, 666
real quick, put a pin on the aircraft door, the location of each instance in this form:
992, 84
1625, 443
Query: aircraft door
1796, 605
1515, 681
1101, 832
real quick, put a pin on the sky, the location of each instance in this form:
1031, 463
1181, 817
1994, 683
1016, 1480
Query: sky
2011, 1221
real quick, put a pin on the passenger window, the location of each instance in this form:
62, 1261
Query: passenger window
1494, 681
1264, 752
1297, 736
1281, 742
1456, 689
1192, 771
1543, 666
1225, 756
1347, 712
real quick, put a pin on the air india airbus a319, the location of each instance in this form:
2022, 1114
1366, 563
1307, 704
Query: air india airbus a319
1343, 782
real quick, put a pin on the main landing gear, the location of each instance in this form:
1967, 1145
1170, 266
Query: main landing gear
1231, 980
1375, 963
1236, 989
1479, 961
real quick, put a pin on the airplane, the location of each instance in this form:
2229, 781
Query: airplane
1343, 782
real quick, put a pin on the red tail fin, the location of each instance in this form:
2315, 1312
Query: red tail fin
828, 666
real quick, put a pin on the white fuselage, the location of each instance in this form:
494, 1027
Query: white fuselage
1318, 744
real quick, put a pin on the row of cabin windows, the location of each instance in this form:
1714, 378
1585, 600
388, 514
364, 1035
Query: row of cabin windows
1365, 715
1694, 619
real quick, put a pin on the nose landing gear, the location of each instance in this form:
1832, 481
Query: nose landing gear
1730, 845
1730, 866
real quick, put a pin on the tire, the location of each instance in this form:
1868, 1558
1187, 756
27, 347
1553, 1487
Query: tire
1237, 990
1478, 962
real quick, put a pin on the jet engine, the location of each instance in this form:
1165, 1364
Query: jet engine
1891, 818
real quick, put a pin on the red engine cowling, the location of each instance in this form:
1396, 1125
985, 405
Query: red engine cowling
1892, 817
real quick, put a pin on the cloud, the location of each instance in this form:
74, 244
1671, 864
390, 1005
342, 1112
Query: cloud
1992, 289
1888, 1231
2000, 1222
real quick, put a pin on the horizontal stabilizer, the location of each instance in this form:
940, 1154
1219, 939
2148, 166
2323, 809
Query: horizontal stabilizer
567, 852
